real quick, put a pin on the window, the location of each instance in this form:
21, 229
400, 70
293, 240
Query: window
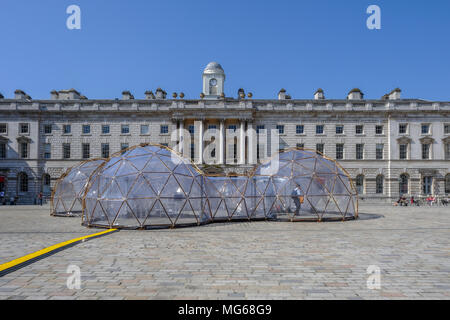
379, 151
427, 185
212, 128
66, 150
125, 129
105, 150
67, 129
403, 128
339, 129
145, 129
379, 184
164, 129
359, 129
86, 150
447, 151
232, 128
340, 151
213, 153
260, 129
3, 128
2, 150
46, 181
47, 128
24, 150
191, 129
235, 150
379, 129
123, 146
447, 184
105, 129
426, 151
360, 184
403, 151
319, 129
320, 147
47, 150
300, 145
359, 151
280, 128
300, 129
23, 182
446, 128
24, 128
192, 151
425, 128
86, 129
403, 184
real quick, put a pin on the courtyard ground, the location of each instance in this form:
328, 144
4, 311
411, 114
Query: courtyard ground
257, 260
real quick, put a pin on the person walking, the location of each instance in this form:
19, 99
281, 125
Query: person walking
298, 198
40, 198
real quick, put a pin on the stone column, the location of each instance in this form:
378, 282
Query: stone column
200, 142
222, 142
242, 142
181, 136
251, 143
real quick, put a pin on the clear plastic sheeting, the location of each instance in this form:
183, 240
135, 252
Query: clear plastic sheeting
66, 199
304, 185
143, 187
227, 198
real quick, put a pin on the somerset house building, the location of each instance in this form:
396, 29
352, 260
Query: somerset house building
390, 147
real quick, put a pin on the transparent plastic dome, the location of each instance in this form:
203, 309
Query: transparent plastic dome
146, 186
66, 199
226, 197
304, 185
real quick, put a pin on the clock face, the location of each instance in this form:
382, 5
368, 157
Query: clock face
213, 82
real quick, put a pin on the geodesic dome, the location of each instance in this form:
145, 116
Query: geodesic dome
66, 199
304, 185
226, 197
143, 187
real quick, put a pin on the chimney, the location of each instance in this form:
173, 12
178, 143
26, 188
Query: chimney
160, 94
149, 95
70, 94
319, 94
54, 95
126, 95
355, 94
282, 94
395, 94
20, 95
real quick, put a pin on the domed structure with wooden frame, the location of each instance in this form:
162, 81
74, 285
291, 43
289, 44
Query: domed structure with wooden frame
66, 198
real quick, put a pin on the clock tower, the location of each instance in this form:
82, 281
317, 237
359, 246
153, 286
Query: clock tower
213, 80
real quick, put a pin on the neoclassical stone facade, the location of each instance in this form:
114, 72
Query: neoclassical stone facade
390, 146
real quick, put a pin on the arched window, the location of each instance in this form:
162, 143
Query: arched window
403, 184
23, 182
379, 189
360, 184
447, 183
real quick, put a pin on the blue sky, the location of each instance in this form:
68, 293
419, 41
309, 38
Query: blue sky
262, 45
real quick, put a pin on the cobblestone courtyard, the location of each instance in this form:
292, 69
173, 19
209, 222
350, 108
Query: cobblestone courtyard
258, 260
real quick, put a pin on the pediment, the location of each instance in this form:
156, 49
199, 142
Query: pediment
404, 140
426, 139
22, 139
